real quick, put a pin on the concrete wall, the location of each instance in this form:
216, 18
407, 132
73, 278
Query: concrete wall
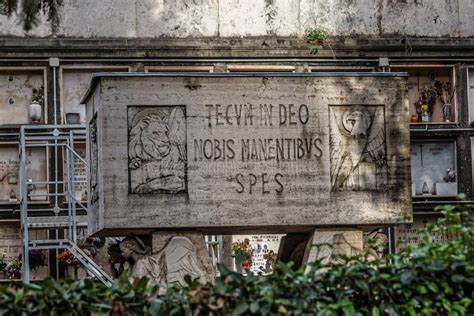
238, 18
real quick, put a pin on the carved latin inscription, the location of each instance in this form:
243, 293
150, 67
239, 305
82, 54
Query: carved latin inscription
157, 149
357, 145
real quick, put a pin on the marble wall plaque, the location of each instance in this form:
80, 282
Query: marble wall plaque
75, 82
16, 91
10, 247
36, 170
10, 241
80, 172
407, 234
433, 168
233, 153
261, 245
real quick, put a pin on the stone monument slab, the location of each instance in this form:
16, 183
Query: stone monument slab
228, 153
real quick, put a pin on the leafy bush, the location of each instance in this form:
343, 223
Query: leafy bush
433, 279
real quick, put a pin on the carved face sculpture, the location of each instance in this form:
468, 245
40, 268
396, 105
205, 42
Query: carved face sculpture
126, 251
129, 248
357, 123
154, 137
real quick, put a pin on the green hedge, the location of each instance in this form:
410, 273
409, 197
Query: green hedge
433, 279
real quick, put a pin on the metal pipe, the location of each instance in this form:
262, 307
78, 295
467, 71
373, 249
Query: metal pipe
24, 209
51, 126
443, 202
54, 97
455, 129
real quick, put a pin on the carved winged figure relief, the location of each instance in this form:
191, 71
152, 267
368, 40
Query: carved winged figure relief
357, 135
157, 150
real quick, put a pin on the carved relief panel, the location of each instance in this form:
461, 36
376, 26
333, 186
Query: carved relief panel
358, 148
93, 162
157, 149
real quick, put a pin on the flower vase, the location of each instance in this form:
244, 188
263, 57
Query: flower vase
447, 109
34, 111
238, 265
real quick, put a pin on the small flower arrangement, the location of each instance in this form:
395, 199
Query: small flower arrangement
38, 95
14, 269
242, 252
3, 264
65, 257
270, 256
37, 258
87, 246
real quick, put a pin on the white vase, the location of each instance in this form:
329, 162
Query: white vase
35, 112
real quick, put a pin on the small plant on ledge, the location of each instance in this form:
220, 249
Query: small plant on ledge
315, 39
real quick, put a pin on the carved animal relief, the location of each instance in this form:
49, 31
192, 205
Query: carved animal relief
157, 149
358, 148
93, 159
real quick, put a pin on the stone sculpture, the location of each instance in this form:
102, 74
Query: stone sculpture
357, 136
157, 149
93, 160
169, 265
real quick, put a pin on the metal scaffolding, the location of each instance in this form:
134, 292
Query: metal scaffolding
60, 190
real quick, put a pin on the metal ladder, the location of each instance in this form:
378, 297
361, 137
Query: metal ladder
58, 139
92, 268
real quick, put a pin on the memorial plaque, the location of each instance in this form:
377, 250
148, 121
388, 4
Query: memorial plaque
228, 153
408, 234
16, 93
74, 84
10, 241
80, 173
433, 169
36, 171
262, 246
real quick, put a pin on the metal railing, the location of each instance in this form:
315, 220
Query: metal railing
60, 189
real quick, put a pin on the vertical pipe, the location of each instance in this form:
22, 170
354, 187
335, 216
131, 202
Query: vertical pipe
390, 244
55, 103
69, 190
221, 249
72, 188
24, 209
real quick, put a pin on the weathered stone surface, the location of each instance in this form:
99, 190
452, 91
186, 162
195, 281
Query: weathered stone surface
236, 18
340, 18
75, 82
420, 18
327, 242
288, 151
182, 18
90, 18
253, 18
12, 26
466, 18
